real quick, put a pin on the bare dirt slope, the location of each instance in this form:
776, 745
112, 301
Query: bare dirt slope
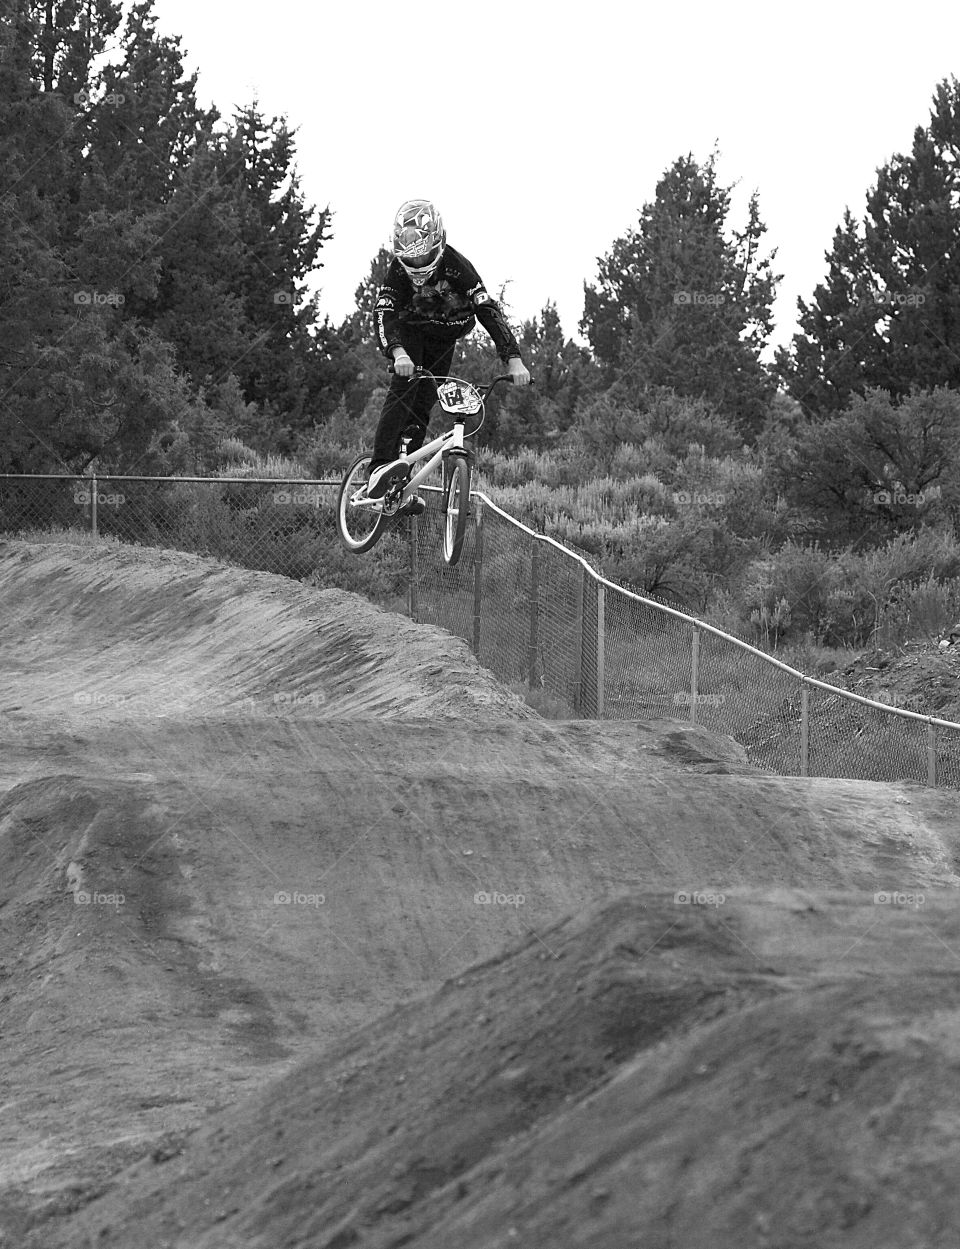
777, 1072
241, 819
917, 677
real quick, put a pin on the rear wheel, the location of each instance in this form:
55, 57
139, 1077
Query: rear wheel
456, 497
361, 526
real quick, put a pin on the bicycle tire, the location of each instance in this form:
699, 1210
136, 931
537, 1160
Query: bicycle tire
456, 500
360, 529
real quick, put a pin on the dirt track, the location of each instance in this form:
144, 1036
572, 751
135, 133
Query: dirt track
187, 746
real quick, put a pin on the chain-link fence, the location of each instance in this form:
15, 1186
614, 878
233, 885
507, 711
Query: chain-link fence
542, 619
281, 525
536, 614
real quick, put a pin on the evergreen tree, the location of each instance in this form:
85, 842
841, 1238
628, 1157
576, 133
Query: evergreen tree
68, 37
36, 309
880, 467
81, 380
359, 326
354, 365
888, 314
680, 304
561, 373
278, 238
561, 369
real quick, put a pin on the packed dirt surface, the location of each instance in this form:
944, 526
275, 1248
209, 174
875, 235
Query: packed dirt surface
917, 677
311, 934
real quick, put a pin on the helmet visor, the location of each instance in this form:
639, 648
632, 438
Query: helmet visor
423, 261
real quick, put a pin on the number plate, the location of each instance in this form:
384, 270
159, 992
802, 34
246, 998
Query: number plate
458, 397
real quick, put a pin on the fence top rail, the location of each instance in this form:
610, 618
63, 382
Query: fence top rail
81, 479
707, 628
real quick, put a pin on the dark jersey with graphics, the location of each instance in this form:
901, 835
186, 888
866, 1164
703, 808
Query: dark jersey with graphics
448, 305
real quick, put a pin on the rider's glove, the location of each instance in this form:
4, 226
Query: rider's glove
403, 366
518, 371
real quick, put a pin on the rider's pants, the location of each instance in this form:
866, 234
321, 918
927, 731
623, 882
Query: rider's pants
409, 401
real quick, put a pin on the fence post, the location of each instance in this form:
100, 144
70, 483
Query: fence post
578, 643
477, 574
93, 504
804, 730
694, 674
414, 592
931, 754
533, 643
601, 593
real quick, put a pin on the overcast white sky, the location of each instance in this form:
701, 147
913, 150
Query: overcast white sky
540, 128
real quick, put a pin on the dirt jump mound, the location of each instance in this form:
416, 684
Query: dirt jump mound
253, 836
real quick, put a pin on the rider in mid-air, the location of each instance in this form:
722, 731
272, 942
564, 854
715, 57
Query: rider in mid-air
431, 297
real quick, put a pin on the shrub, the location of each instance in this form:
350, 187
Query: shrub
905, 588
788, 592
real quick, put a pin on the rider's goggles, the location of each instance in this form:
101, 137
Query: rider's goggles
421, 262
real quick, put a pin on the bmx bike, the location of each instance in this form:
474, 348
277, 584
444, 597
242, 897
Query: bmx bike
363, 521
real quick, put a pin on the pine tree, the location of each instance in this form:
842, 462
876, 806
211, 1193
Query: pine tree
888, 314
353, 363
81, 379
278, 239
561, 372
684, 301
36, 312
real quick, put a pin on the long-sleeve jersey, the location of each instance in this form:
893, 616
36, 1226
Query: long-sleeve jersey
448, 305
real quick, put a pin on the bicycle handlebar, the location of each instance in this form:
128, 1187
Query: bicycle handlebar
504, 377
483, 391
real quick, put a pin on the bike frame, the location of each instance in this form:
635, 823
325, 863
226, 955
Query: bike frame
451, 442
433, 452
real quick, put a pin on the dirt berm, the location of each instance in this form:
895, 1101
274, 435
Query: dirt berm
255, 842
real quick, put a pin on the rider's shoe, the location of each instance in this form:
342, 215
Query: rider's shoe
414, 506
384, 476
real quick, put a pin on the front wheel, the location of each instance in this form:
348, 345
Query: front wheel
456, 498
361, 524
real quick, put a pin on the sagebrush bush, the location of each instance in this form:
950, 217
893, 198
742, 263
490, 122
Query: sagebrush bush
906, 588
675, 422
924, 609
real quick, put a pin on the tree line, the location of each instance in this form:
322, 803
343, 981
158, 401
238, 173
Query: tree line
154, 301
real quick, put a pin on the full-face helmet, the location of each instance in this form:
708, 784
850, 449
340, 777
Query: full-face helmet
418, 239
